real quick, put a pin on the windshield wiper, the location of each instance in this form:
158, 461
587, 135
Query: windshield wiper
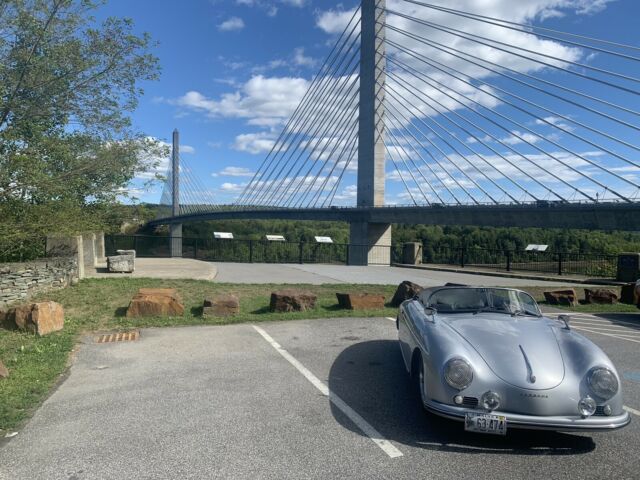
483, 309
523, 313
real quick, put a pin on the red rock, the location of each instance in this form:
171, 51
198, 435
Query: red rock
292, 301
600, 295
221, 306
360, 301
562, 297
405, 291
41, 318
156, 302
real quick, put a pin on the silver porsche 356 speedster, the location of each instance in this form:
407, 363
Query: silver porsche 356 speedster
488, 357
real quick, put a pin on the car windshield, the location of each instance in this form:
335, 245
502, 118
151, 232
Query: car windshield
477, 300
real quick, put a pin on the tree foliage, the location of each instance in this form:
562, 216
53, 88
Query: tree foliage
67, 86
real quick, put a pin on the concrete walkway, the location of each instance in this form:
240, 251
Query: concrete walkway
173, 268
319, 274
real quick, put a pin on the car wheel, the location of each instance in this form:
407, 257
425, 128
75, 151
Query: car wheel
419, 378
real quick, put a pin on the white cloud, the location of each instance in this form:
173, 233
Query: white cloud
300, 59
231, 24
254, 142
187, 149
234, 172
261, 100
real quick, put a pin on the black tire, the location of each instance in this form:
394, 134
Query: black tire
418, 380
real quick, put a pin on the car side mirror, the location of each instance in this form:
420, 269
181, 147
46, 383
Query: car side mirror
565, 318
430, 312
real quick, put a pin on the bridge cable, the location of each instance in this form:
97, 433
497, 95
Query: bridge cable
327, 65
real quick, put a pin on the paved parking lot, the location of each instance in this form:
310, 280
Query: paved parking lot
249, 401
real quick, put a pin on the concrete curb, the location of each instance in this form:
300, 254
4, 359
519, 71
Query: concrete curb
524, 276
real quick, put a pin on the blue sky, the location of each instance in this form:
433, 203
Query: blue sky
234, 70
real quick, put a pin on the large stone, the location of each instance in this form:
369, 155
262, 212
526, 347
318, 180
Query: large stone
360, 301
40, 318
562, 297
156, 302
126, 252
600, 295
405, 291
292, 301
630, 293
121, 263
4, 371
221, 306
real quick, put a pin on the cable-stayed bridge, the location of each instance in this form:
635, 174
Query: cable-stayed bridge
470, 119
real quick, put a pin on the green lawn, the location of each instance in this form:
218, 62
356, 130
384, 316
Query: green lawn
37, 363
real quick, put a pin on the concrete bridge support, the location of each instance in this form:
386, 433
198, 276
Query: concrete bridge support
175, 229
370, 243
368, 239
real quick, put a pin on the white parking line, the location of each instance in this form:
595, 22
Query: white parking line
632, 410
603, 321
625, 331
386, 446
606, 334
390, 318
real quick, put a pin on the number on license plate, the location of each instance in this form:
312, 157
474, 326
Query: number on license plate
485, 423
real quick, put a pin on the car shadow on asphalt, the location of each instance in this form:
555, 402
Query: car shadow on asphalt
370, 377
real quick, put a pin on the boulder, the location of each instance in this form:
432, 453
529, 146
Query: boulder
292, 301
629, 295
600, 295
156, 302
121, 263
221, 306
40, 318
126, 252
360, 301
405, 291
4, 372
562, 297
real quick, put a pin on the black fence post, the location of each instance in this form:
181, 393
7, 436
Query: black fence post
508, 252
300, 251
559, 263
462, 257
250, 251
195, 249
135, 243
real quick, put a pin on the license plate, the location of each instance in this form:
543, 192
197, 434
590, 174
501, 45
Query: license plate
485, 423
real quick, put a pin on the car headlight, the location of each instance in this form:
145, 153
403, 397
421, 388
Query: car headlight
602, 382
458, 373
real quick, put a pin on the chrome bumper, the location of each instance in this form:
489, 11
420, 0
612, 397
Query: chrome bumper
515, 420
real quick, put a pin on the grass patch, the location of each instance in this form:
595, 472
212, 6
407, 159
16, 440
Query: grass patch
36, 363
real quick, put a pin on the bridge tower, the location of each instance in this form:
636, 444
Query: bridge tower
365, 237
175, 228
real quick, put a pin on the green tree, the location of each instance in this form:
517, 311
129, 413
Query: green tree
67, 86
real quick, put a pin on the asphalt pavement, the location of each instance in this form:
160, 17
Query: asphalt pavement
246, 401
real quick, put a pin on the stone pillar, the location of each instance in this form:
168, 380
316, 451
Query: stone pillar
412, 253
175, 232
67, 246
100, 251
369, 243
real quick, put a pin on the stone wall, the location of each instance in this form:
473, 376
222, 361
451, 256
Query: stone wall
18, 281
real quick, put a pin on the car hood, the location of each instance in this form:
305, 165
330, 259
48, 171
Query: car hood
522, 351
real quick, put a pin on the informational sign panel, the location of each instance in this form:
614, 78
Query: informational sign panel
536, 248
324, 240
227, 235
275, 238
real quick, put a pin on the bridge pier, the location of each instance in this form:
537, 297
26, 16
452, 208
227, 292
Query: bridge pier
175, 231
370, 243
